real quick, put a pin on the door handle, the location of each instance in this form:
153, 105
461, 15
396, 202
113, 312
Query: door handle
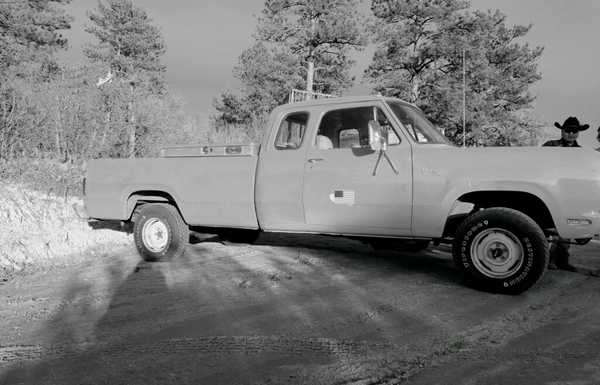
315, 160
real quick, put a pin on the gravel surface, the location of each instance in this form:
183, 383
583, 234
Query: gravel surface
294, 310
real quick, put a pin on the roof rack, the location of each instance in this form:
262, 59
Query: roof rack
303, 95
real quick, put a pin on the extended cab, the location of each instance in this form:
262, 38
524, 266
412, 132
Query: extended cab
369, 167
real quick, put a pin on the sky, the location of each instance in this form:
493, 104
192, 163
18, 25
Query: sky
204, 39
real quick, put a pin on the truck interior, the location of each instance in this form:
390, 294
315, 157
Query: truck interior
349, 128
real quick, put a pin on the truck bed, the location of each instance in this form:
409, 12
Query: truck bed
211, 185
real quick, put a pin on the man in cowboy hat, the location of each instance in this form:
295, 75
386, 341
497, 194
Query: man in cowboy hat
559, 250
570, 132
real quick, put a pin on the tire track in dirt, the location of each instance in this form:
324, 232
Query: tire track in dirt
484, 339
344, 361
219, 345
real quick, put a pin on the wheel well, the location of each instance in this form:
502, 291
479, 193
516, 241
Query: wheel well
527, 203
139, 198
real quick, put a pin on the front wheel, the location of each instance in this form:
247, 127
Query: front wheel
501, 250
159, 232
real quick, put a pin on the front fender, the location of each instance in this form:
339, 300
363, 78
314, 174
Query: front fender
431, 210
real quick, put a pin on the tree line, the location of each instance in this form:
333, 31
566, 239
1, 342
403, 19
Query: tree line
427, 52
118, 104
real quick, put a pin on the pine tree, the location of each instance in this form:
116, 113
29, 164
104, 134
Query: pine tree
30, 31
421, 44
131, 48
300, 44
30, 35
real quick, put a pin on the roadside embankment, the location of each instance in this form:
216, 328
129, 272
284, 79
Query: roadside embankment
39, 231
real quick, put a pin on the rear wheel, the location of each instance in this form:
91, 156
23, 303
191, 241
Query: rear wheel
159, 232
501, 250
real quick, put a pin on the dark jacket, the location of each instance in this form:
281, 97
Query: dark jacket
560, 143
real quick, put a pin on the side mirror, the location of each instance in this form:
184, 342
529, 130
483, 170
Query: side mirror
378, 136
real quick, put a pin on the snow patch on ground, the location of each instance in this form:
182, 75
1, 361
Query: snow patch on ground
38, 230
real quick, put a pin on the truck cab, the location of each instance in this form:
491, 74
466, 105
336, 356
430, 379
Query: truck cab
319, 172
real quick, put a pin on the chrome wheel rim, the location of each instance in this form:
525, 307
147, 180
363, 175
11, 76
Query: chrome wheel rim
155, 235
497, 253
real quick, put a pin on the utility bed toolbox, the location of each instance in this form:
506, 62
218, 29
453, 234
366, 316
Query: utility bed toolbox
201, 150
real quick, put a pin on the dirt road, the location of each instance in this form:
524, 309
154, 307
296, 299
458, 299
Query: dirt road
304, 310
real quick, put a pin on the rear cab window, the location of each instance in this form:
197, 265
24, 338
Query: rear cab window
291, 131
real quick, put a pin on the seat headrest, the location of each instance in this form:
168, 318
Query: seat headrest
324, 143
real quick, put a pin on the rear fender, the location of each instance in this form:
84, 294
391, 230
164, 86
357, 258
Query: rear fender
134, 199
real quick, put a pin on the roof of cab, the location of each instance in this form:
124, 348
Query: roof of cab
338, 100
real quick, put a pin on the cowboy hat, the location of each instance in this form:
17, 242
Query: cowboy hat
572, 124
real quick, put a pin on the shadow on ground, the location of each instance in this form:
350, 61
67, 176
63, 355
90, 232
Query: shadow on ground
290, 309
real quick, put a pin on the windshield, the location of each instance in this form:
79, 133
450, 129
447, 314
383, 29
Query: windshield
417, 124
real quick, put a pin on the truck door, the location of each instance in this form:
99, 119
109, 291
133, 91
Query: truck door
346, 189
278, 192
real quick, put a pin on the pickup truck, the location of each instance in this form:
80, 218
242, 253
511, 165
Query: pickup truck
369, 167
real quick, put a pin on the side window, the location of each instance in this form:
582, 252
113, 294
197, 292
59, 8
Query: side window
417, 124
349, 128
291, 131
